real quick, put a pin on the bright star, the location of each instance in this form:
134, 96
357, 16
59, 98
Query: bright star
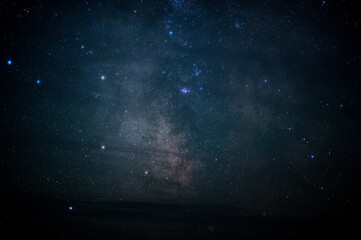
102, 77
70, 208
103, 147
10, 62
185, 90
38, 81
146, 172
170, 33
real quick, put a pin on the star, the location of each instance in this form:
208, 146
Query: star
146, 172
102, 77
38, 81
103, 147
185, 90
10, 62
70, 208
170, 33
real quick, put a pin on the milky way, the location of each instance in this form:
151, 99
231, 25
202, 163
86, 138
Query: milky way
234, 103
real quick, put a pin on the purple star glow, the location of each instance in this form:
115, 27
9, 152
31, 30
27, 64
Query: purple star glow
185, 90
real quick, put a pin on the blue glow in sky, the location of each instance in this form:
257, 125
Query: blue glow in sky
185, 90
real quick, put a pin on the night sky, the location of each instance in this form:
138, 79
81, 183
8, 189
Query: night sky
253, 105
